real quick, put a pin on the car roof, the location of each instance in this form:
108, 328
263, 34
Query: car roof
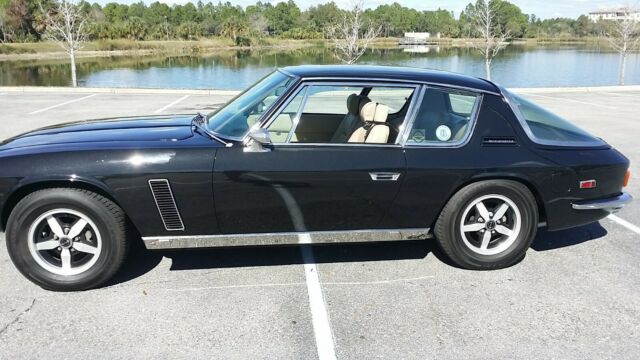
365, 72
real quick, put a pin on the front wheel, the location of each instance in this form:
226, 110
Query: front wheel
488, 224
66, 239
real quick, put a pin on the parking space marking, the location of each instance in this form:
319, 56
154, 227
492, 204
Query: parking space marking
573, 100
62, 104
634, 95
170, 105
319, 314
625, 223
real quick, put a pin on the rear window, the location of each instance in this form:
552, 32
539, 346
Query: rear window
549, 128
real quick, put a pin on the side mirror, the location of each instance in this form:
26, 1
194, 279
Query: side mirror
258, 141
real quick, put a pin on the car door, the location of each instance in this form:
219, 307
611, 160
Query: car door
294, 185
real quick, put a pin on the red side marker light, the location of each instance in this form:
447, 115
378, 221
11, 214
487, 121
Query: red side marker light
587, 184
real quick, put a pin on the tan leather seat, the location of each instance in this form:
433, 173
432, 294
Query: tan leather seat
375, 129
352, 120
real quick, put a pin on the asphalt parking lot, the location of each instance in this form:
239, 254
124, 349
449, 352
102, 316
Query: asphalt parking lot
576, 294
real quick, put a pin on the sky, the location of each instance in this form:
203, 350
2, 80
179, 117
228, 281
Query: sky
542, 9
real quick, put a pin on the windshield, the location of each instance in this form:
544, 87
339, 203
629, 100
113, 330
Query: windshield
549, 128
234, 119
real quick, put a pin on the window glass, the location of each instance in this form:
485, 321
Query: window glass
325, 116
329, 99
280, 127
444, 117
235, 118
548, 126
393, 97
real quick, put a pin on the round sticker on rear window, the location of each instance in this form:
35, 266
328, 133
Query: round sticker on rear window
443, 133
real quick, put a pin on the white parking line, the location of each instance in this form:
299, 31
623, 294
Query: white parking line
62, 104
634, 95
170, 105
319, 315
573, 100
625, 223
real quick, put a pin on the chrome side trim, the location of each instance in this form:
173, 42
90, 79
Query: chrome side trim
611, 204
287, 238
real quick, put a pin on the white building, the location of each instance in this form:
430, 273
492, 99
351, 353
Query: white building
615, 14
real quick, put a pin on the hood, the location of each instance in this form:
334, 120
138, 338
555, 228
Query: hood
136, 129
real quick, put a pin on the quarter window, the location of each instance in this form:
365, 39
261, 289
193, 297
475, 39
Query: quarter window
547, 127
444, 117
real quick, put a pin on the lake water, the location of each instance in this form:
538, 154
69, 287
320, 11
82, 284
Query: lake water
517, 66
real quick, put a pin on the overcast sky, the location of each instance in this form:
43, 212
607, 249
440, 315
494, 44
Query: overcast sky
541, 8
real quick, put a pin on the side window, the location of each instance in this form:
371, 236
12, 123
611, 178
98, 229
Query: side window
547, 126
341, 114
329, 99
444, 117
281, 126
393, 97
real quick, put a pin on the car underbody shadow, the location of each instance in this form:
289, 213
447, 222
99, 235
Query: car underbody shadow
141, 261
549, 240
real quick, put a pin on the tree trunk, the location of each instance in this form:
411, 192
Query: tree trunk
72, 56
487, 67
623, 65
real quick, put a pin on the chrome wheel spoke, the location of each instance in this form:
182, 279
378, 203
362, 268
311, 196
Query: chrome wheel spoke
504, 230
65, 258
501, 211
473, 227
55, 226
85, 248
77, 228
482, 211
47, 245
486, 238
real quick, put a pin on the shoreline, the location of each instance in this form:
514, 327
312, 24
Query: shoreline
112, 90
121, 47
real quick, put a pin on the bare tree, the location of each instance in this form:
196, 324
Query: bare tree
624, 38
483, 17
352, 35
65, 25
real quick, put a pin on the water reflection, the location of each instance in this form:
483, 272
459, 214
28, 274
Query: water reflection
518, 65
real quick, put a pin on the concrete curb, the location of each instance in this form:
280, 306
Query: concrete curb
83, 90
580, 89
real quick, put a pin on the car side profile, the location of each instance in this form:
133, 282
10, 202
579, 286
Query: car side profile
309, 154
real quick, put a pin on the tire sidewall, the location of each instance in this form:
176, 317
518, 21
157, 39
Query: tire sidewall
34, 205
526, 204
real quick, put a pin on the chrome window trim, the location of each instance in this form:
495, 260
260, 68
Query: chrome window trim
473, 119
417, 88
284, 238
418, 82
525, 126
296, 120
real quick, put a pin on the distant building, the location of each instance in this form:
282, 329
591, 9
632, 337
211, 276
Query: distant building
615, 14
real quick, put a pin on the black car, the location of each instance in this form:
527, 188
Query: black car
309, 154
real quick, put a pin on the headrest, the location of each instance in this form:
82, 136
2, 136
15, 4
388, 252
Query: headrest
374, 112
355, 103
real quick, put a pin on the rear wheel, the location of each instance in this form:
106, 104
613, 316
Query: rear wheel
66, 239
488, 225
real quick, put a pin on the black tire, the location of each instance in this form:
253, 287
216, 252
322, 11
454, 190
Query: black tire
462, 251
108, 218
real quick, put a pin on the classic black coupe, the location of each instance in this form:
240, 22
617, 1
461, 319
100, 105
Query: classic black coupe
309, 154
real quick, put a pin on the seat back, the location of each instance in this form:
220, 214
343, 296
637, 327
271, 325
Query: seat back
375, 130
351, 120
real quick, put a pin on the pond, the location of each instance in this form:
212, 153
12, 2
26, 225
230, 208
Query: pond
517, 66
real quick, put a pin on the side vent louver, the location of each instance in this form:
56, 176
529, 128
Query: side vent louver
499, 141
163, 196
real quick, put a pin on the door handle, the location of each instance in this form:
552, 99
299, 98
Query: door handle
384, 176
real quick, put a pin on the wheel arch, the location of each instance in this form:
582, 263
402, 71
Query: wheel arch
25, 188
519, 179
